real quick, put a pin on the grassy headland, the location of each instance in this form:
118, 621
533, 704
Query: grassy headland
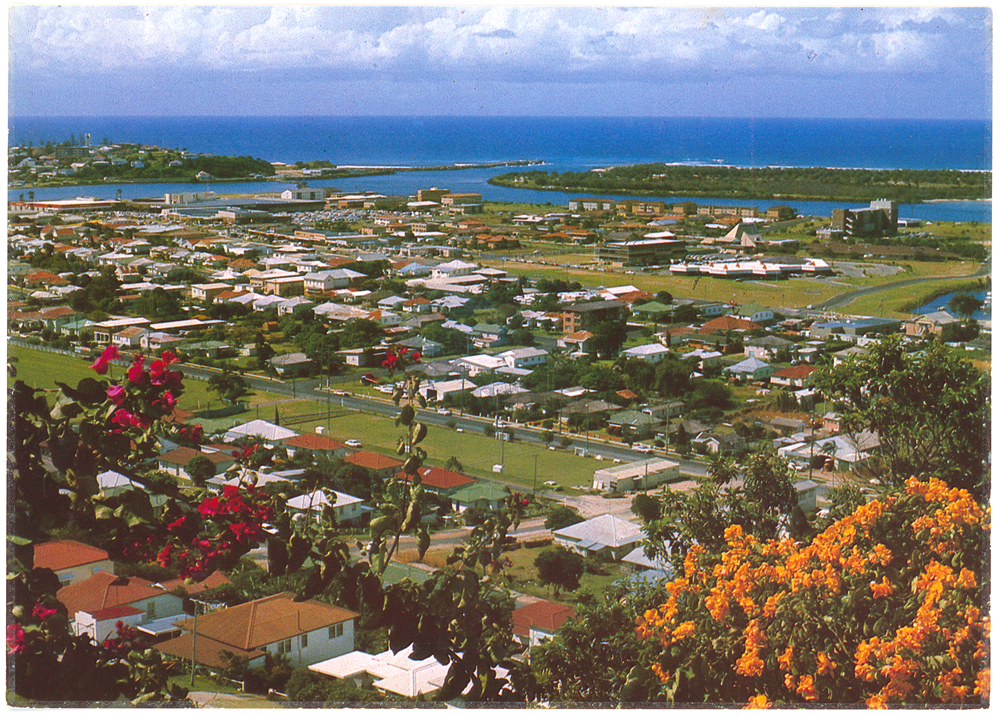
785, 184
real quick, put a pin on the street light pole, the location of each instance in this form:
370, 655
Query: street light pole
194, 638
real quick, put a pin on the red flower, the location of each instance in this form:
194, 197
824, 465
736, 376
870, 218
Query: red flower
168, 400
416, 356
211, 506
177, 524
125, 419
16, 642
135, 374
42, 612
168, 357
116, 393
196, 433
100, 366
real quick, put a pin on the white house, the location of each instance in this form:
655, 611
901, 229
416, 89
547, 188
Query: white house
304, 632
112, 483
651, 353
605, 534
340, 507
524, 357
270, 434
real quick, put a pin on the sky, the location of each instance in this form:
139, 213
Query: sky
761, 61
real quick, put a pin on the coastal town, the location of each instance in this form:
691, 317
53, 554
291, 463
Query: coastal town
566, 362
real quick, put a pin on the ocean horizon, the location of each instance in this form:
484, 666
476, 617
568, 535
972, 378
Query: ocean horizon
560, 144
568, 143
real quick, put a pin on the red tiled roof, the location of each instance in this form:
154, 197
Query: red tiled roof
209, 650
59, 555
314, 442
544, 615
255, 624
101, 591
371, 460
726, 324
800, 371
437, 478
213, 580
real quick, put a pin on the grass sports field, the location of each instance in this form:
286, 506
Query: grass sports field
523, 463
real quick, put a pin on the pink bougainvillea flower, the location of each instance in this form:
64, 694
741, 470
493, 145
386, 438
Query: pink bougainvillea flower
168, 357
100, 366
135, 374
116, 393
126, 419
42, 612
111, 352
167, 400
15, 638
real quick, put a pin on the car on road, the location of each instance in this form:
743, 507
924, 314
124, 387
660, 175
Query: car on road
339, 392
551, 483
644, 448
353, 443
444, 412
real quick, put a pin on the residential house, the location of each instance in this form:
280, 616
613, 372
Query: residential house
304, 632
267, 433
481, 495
768, 347
636, 476
798, 376
665, 412
649, 353
755, 313
115, 482
428, 348
632, 425
750, 369
524, 358
208, 292
329, 280
581, 342
71, 561
489, 335
293, 364
440, 481
604, 535
704, 359
378, 465
337, 507
175, 462
95, 604
318, 444
539, 621
718, 442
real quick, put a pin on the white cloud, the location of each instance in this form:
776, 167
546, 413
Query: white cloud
579, 44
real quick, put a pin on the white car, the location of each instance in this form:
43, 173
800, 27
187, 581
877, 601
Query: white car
551, 483
644, 448
353, 443
444, 412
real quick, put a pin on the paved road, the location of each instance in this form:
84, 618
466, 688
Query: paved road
846, 298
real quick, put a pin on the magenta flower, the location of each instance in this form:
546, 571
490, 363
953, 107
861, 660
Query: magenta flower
117, 394
168, 357
100, 366
168, 399
136, 374
111, 352
126, 419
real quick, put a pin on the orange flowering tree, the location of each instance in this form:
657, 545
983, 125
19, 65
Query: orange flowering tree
886, 606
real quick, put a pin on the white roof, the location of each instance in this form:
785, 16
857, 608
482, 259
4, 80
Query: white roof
318, 499
604, 530
637, 557
262, 429
647, 350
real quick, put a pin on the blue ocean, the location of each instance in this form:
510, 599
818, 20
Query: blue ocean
560, 143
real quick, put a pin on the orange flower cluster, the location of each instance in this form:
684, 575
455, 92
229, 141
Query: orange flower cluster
835, 617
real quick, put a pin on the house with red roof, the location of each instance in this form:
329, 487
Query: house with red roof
96, 604
442, 482
539, 621
728, 323
317, 444
303, 631
378, 465
798, 376
72, 561
175, 461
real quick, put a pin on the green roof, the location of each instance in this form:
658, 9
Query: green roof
652, 308
479, 490
632, 417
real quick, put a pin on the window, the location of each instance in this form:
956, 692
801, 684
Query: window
305, 640
150, 610
285, 646
337, 630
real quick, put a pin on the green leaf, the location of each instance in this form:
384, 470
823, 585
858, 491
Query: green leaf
423, 543
277, 556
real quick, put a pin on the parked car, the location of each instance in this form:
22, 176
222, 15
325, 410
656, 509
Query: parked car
370, 378
353, 443
444, 412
